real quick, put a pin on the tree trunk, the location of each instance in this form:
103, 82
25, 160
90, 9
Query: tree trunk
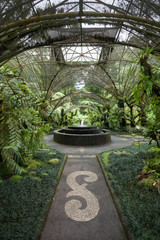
142, 115
123, 120
132, 117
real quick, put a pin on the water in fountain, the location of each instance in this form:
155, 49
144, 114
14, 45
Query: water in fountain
82, 121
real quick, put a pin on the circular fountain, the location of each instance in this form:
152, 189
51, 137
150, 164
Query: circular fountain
82, 135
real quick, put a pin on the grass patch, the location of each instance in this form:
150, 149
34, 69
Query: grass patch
25, 200
140, 205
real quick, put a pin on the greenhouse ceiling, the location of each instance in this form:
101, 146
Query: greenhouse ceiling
72, 40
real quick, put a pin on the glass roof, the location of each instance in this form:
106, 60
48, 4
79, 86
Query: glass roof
28, 24
81, 54
26, 8
72, 40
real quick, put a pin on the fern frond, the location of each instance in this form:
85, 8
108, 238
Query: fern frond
4, 138
14, 134
21, 128
7, 154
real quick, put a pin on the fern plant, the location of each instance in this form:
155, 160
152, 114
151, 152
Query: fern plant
147, 94
21, 127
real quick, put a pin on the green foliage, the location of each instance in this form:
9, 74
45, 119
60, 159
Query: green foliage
98, 119
105, 158
147, 94
21, 127
140, 206
16, 178
54, 161
61, 119
33, 164
24, 204
115, 118
150, 174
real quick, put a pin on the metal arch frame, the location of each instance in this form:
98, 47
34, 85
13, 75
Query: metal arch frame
97, 75
62, 80
82, 4
81, 106
59, 102
12, 36
18, 36
69, 73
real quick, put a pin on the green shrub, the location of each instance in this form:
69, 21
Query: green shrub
54, 161
16, 178
139, 203
24, 204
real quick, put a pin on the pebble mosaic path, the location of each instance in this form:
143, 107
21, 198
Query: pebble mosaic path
83, 208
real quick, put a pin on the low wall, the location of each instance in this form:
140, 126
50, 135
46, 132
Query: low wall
82, 139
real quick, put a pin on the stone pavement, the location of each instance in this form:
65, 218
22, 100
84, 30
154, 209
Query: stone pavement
83, 208
116, 142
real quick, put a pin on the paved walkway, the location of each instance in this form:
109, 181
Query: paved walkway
83, 208
116, 142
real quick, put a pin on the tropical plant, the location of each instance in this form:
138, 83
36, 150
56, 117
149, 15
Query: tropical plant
21, 127
116, 117
147, 94
150, 174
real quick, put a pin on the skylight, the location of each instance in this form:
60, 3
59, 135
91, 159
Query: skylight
81, 53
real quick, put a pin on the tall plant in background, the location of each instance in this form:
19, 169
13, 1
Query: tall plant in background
21, 127
149, 88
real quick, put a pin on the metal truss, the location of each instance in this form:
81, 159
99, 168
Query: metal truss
57, 43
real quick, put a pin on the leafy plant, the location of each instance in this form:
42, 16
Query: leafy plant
147, 94
139, 205
21, 127
150, 174
25, 200
115, 118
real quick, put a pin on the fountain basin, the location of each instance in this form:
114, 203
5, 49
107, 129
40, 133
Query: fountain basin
82, 135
